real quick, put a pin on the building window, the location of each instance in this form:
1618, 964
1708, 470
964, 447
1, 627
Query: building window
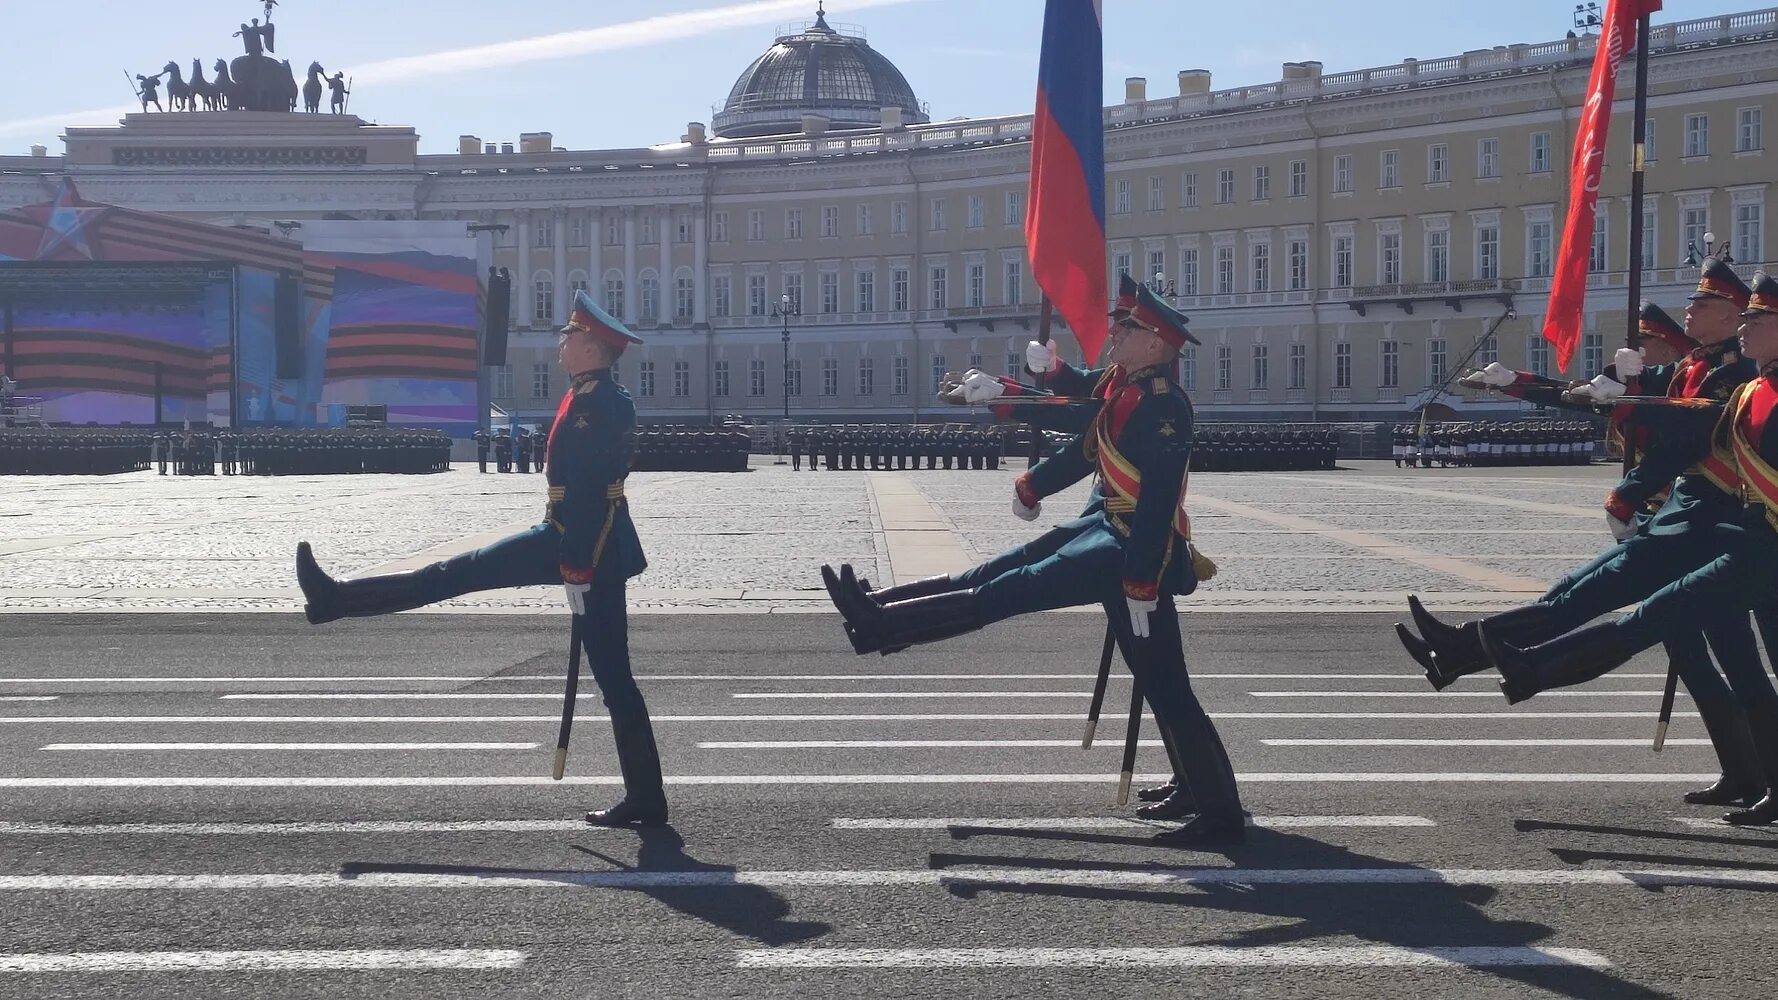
719, 227
577, 229
681, 228
1435, 362
1299, 366
614, 294
1649, 239
540, 381
1225, 187
1438, 163
1262, 373
756, 225
977, 290
900, 386
1225, 270
681, 379
722, 379
867, 377
1299, 178
1697, 135
1188, 368
502, 386
1342, 262
1389, 258
1390, 370
756, 377
614, 230
793, 287
1342, 366
898, 218
1596, 257
1188, 191
651, 297
1750, 243
1120, 202
977, 212
1438, 256
1225, 368
975, 363
1015, 208
938, 371
830, 292
1157, 265
830, 376
939, 284
793, 378
1540, 152
830, 222
577, 283
1262, 183
1157, 198
1012, 286
867, 291
1748, 131
1389, 169
866, 226
1489, 352
648, 229
1592, 352
1013, 365
1188, 271
1694, 223
1261, 273
684, 296
1538, 350
1487, 253
899, 290
543, 299
1299, 265
756, 295
1539, 256
1487, 158
938, 215
1342, 174
543, 235
645, 378
1120, 264
793, 223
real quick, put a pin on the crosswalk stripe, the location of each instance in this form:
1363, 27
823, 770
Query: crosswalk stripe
906, 744
1158, 877
1190, 956
1451, 694
293, 828
199, 747
1401, 675
259, 961
29, 697
1114, 823
497, 781
108, 720
1578, 742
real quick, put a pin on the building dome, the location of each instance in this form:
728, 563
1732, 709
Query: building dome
816, 71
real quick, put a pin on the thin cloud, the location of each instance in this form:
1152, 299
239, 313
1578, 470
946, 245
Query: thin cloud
541, 48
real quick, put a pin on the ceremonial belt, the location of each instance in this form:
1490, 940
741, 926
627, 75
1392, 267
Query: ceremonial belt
1723, 466
1123, 482
1759, 480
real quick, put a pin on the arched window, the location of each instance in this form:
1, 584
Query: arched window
650, 303
614, 293
577, 282
543, 298
684, 294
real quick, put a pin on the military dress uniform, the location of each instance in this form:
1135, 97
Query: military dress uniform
1134, 546
586, 538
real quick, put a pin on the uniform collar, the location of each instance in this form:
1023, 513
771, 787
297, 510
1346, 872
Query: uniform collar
1719, 352
584, 377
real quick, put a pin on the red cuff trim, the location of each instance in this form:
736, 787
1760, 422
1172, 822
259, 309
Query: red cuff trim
1022, 488
1141, 591
576, 576
1619, 508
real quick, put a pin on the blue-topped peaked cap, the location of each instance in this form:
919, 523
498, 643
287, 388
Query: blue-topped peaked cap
586, 315
1152, 313
1126, 295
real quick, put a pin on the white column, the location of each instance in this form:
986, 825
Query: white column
594, 266
521, 282
665, 232
700, 280
631, 292
561, 285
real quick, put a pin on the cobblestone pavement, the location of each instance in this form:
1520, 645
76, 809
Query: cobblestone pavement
1355, 539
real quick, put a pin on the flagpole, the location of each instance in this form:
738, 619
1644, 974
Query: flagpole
1638, 158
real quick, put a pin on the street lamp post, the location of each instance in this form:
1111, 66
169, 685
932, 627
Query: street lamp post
786, 309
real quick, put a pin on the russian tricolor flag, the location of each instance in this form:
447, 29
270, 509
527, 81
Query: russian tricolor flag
1065, 220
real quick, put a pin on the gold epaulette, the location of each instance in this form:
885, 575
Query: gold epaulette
589, 387
1158, 386
615, 491
558, 492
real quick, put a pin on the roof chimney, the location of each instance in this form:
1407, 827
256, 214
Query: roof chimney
1194, 81
490, 149
694, 134
39, 149
535, 142
506, 147
468, 145
1135, 90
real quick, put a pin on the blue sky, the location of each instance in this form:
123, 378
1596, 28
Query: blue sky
602, 73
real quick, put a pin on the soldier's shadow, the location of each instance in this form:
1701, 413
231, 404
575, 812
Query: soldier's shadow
1426, 915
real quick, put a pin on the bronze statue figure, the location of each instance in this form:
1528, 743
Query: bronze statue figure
250, 37
337, 83
250, 82
148, 90
312, 89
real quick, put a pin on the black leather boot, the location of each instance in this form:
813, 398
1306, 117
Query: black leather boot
911, 622
1456, 649
1178, 805
1156, 793
1573, 659
1762, 722
639, 761
906, 591
1422, 654
329, 599
320, 591
1743, 776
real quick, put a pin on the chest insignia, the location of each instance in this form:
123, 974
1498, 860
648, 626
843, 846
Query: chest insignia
580, 423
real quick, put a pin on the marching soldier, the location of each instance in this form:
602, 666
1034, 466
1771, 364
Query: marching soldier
1131, 552
586, 543
503, 450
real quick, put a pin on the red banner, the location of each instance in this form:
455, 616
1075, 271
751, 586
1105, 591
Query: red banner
1568, 291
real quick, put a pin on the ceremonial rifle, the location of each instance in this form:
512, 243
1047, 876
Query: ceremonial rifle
568, 697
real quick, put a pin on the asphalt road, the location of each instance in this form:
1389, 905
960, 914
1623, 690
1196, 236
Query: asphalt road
172, 827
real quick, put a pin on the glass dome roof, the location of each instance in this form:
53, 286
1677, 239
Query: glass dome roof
818, 71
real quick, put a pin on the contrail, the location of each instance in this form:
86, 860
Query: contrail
541, 48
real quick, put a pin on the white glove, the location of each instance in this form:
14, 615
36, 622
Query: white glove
1041, 358
576, 595
1628, 362
1497, 375
979, 387
1023, 512
1139, 612
1620, 530
1599, 390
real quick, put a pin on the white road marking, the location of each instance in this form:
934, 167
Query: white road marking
1400, 675
109, 720
1191, 956
907, 744
292, 829
1113, 823
1167, 878
257, 961
495, 781
200, 747
29, 697
1449, 694
879, 695
395, 696
1688, 742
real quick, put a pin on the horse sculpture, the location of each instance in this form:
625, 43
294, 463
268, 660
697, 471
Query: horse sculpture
312, 89
224, 86
202, 89
178, 91
290, 91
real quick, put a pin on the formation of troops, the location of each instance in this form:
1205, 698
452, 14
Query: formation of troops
1695, 517
900, 446
668, 448
73, 451
272, 451
1481, 443
1264, 449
